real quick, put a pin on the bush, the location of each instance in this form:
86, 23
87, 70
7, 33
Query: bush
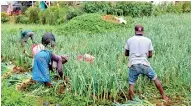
32, 14
146, 9
62, 4
37, 4
73, 12
135, 9
95, 7
4, 17
42, 16
177, 8
23, 9
113, 11
22, 19
171, 8
186, 6
89, 24
126, 8
160, 9
52, 15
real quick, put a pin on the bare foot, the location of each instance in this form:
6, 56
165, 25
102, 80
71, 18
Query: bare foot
48, 84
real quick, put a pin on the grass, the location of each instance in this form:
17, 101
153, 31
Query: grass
169, 33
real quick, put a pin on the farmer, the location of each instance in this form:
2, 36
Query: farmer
25, 35
41, 67
35, 49
48, 38
139, 48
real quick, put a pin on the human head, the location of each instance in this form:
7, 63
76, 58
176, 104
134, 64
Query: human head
139, 29
53, 44
49, 41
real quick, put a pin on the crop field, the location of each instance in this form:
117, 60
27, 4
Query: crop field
104, 81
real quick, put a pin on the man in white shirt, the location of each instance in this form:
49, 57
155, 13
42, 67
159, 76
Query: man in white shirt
139, 48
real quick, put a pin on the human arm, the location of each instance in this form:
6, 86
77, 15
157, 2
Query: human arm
127, 49
30, 56
58, 60
22, 42
150, 54
21, 34
126, 52
21, 38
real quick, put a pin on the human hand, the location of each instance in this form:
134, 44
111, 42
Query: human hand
64, 59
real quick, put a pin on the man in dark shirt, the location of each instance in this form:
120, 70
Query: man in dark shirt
48, 38
25, 35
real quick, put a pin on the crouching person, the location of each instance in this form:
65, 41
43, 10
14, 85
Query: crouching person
25, 35
41, 67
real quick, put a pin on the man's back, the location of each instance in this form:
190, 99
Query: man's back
23, 33
138, 47
48, 35
48, 38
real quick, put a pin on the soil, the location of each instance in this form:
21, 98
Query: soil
18, 70
24, 85
110, 18
64, 86
121, 97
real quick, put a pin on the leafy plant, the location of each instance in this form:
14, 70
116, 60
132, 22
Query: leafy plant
90, 23
4, 17
159, 9
177, 8
11, 98
73, 12
186, 6
53, 15
113, 11
135, 9
21, 19
95, 7
32, 14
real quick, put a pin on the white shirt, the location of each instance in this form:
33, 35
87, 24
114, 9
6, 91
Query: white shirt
138, 47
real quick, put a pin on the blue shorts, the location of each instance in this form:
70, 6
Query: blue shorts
137, 69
